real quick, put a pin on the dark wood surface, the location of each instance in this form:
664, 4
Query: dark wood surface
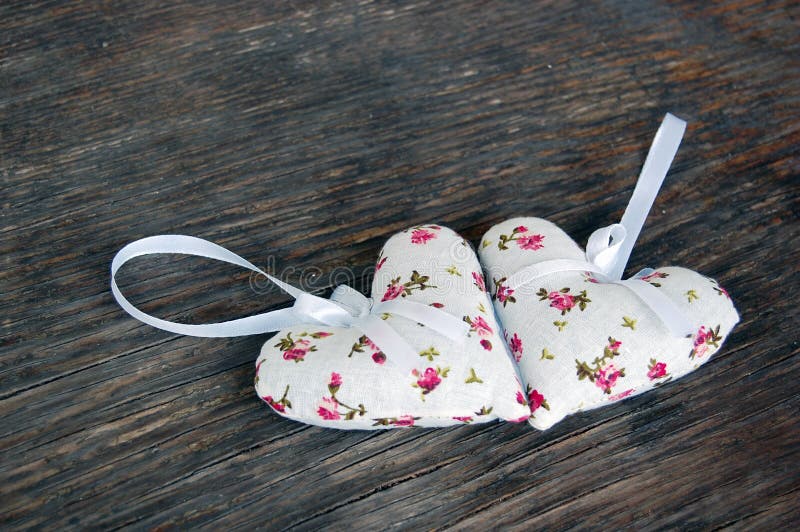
305, 134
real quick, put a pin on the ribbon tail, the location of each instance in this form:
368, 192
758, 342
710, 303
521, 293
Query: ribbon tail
396, 349
604, 246
656, 165
666, 309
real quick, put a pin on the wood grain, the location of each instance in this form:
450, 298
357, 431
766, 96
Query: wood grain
303, 134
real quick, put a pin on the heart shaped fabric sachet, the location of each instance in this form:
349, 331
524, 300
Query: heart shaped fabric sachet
583, 337
426, 349
336, 377
582, 344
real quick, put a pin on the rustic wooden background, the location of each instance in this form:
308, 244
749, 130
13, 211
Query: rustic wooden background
305, 133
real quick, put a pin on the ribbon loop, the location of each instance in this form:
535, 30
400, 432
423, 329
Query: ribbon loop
609, 248
346, 308
656, 165
604, 246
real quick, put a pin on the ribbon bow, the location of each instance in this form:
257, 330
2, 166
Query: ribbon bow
609, 248
346, 307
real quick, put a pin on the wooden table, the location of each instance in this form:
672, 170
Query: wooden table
306, 133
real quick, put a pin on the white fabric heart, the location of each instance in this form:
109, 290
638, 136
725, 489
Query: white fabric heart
583, 337
581, 344
425, 350
336, 377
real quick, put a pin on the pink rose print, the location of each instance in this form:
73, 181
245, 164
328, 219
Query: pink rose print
477, 278
606, 377
428, 380
328, 409
561, 301
535, 400
590, 278
564, 301
531, 242
503, 293
437, 305
281, 404
703, 339
527, 242
480, 326
297, 349
515, 344
602, 372
463, 419
652, 278
393, 291
403, 421
421, 236
380, 263
656, 370
621, 395
364, 342
700, 347
520, 398
274, 404
518, 420
397, 289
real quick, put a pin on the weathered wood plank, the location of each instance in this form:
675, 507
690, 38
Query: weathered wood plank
304, 134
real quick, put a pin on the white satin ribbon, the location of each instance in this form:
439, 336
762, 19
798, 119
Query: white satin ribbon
609, 248
346, 308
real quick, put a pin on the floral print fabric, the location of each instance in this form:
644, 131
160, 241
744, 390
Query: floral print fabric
337, 377
581, 344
